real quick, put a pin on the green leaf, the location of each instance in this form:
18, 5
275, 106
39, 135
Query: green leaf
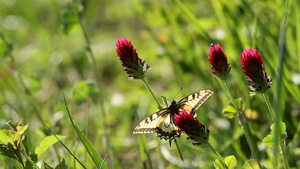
62, 164
15, 125
70, 21
218, 164
46, 143
229, 112
8, 150
251, 164
93, 92
18, 135
239, 103
282, 128
6, 136
230, 162
270, 139
89, 148
80, 92
83, 90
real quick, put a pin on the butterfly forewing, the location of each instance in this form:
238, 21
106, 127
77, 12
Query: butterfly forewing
192, 102
149, 124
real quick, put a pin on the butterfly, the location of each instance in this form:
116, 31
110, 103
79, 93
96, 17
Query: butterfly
163, 121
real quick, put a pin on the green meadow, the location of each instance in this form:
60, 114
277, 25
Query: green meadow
61, 79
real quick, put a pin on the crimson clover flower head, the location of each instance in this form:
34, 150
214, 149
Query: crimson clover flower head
218, 60
257, 77
192, 127
132, 64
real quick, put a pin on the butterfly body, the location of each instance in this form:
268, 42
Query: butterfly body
163, 122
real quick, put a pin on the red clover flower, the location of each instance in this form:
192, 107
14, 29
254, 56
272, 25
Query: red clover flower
218, 60
132, 64
257, 77
192, 127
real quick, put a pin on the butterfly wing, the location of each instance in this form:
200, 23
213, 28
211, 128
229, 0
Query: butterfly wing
150, 123
161, 122
167, 128
192, 102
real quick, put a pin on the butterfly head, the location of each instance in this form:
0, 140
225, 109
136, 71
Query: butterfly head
174, 107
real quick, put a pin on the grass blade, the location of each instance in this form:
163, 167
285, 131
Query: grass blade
147, 151
142, 152
280, 88
88, 146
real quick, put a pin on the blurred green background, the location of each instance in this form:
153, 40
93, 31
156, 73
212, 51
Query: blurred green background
49, 53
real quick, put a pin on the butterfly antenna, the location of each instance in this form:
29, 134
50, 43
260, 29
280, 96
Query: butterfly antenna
178, 92
165, 101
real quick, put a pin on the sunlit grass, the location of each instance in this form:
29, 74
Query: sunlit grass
39, 61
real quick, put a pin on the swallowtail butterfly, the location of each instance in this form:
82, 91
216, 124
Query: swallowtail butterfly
163, 122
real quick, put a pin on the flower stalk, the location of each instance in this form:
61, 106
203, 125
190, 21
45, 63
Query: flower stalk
152, 94
282, 144
268, 103
243, 122
178, 150
285, 160
217, 154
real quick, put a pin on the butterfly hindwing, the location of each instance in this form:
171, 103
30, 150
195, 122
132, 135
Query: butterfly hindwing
167, 129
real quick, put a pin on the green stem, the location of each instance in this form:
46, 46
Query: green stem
80, 19
149, 89
283, 149
216, 153
282, 145
271, 111
244, 125
178, 150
